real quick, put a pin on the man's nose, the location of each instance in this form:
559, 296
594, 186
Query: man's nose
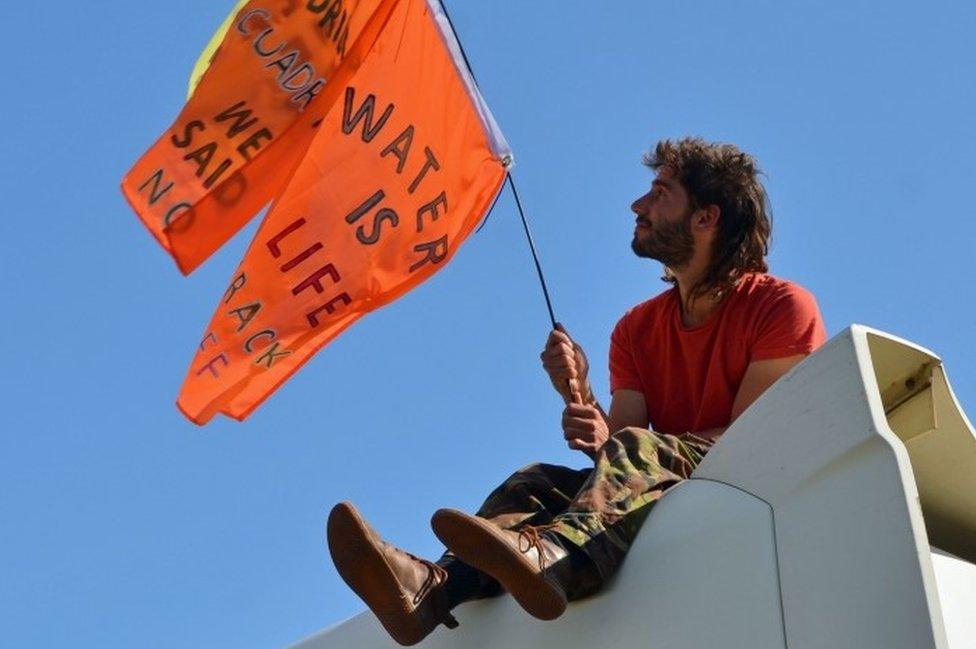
639, 206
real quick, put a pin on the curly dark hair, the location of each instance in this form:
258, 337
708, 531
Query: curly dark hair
720, 174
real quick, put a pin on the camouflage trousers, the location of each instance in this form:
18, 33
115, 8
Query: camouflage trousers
598, 510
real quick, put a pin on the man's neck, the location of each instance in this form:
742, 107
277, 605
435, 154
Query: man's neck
695, 310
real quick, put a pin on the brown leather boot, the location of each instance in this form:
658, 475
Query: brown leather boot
529, 563
405, 593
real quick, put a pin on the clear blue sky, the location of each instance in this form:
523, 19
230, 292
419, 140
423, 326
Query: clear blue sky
126, 526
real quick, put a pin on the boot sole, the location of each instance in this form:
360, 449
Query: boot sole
475, 543
362, 566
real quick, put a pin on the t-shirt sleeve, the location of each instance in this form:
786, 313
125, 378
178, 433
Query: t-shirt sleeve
789, 324
623, 367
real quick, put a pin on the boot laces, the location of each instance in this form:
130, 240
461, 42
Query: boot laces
530, 537
435, 576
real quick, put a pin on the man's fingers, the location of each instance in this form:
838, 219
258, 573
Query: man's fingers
578, 432
589, 449
558, 358
579, 413
580, 410
562, 377
558, 338
573, 427
579, 429
582, 438
560, 367
559, 349
558, 361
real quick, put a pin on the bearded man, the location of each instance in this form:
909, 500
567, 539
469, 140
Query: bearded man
683, 366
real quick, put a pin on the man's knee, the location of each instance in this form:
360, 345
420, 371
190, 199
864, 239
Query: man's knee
550, 483
534, 488
526, 473
546, 474
531, 475
536, 468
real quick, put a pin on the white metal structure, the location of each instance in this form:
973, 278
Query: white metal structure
808, 525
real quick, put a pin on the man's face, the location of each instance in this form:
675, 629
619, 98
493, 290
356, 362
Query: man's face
663, 230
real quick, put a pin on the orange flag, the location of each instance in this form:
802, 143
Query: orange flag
402, 169
278, 70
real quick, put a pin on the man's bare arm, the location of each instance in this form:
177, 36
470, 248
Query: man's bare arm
758, 377
627, 408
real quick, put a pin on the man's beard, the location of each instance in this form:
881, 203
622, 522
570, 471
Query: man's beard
671, 243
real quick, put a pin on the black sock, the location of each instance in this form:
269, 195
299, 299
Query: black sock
465, 582
579, 559
583, 578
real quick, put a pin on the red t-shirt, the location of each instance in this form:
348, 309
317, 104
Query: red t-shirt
690, 377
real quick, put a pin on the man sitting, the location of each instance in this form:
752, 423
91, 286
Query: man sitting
685, 363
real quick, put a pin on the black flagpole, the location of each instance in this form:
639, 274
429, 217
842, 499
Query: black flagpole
511, 183
535, 256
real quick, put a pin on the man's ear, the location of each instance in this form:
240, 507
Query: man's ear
706, 218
